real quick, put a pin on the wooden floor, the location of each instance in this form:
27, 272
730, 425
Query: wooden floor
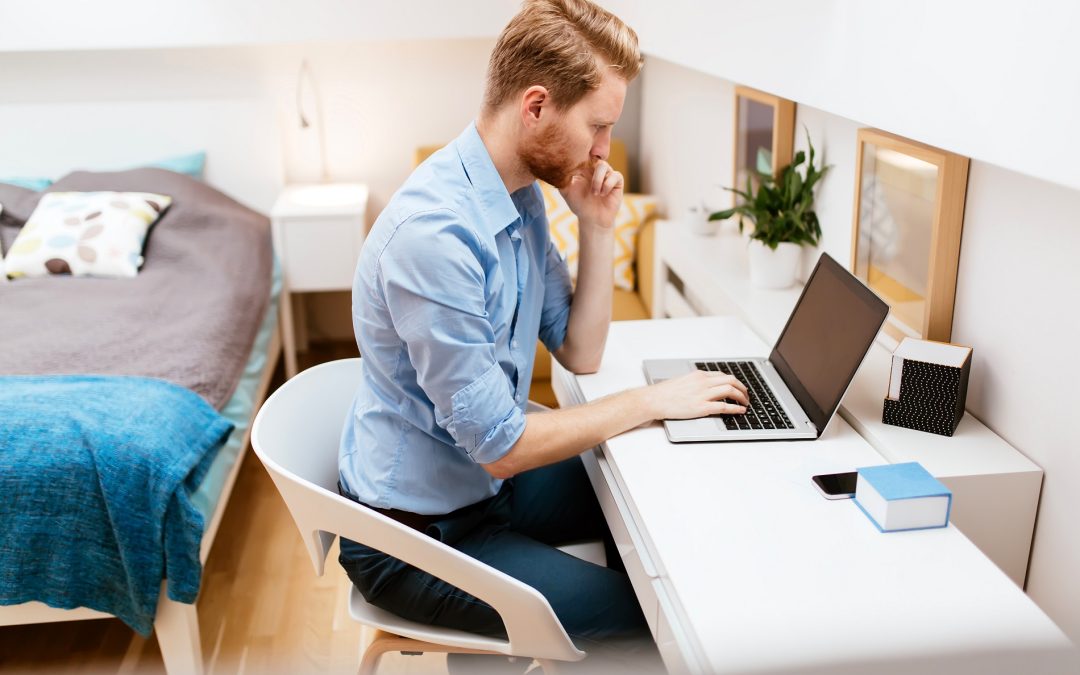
261, 608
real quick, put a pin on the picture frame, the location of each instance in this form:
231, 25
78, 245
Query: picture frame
764, 134
907, 224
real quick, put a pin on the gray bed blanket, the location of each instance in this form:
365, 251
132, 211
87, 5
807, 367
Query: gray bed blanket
189, 317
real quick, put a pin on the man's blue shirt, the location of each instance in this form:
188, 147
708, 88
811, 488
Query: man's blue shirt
455, 282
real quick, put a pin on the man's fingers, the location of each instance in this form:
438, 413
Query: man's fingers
723, 378
599, 174
729, 392
722, 408
614, 180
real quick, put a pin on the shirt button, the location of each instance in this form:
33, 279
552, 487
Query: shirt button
513, 343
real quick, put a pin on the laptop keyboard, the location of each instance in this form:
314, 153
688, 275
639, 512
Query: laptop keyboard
764, 411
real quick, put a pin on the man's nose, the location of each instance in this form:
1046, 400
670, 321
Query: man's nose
602, 147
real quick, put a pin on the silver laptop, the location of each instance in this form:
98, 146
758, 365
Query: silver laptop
796, 390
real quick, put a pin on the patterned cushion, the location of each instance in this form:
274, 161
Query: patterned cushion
85, 234
635, 210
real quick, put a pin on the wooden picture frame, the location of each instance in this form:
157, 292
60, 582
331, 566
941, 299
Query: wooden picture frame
905, 240
761, 120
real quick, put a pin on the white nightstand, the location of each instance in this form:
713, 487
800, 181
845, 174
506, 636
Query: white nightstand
318, 231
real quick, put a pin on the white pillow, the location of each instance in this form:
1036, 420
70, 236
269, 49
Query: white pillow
97, 234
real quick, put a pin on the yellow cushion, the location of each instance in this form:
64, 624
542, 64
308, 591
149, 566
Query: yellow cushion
627, 306
635, 210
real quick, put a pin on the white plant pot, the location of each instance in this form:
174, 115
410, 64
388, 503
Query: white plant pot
700, 224
773, 269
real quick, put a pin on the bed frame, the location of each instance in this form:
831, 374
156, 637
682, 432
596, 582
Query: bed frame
176, 623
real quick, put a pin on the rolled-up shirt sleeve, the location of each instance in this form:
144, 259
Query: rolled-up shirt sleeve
558, 295
433, 279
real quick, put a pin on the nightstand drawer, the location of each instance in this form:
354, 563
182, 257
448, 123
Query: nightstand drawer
319, 254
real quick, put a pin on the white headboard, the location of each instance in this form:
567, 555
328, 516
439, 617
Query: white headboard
239, 135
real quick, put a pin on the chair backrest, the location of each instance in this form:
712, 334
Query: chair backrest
297, 434
304, 418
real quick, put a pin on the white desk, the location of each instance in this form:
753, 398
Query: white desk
996, 486
740, 566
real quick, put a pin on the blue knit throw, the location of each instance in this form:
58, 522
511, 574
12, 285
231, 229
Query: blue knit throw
96, 475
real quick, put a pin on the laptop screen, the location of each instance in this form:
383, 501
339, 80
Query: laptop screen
826, 337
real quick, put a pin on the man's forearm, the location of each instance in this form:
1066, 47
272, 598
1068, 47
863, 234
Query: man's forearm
590, 313
553, 436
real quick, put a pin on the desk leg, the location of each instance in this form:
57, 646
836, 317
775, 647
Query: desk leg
288, 337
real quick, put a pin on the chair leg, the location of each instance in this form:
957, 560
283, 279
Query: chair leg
369, 662
388, 642
548, 666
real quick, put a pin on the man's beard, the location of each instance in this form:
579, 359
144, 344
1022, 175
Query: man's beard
547, 157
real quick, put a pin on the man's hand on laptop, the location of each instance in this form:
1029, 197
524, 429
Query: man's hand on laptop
697, 394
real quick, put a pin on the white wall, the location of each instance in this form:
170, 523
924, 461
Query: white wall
1017, 303
137, 24
1016, 292
995, 81
106, 109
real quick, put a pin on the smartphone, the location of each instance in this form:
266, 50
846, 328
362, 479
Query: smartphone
836, 485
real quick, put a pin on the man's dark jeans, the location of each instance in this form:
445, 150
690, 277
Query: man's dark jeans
516, 532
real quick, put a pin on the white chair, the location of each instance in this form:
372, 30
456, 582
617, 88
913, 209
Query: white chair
296, 435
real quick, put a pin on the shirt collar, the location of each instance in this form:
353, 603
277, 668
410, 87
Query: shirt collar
499, 205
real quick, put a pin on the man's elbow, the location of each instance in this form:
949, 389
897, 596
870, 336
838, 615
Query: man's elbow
585, 367
579, 364
500, 469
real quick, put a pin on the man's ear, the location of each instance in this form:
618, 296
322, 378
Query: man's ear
534, 103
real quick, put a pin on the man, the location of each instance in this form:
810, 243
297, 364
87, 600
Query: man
456, 281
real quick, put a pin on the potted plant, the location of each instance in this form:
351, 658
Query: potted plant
782, 212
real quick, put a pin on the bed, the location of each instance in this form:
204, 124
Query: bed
199, 321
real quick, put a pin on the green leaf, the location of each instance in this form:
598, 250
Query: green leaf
745, 195
780, 207
794, 187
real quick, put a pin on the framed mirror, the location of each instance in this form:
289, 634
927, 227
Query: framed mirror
909, 213
764, 134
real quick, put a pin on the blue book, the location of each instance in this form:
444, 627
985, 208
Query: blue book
899, 497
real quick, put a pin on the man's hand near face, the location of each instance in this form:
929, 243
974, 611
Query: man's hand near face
595, 197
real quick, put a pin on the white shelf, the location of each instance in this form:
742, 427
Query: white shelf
995, 487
